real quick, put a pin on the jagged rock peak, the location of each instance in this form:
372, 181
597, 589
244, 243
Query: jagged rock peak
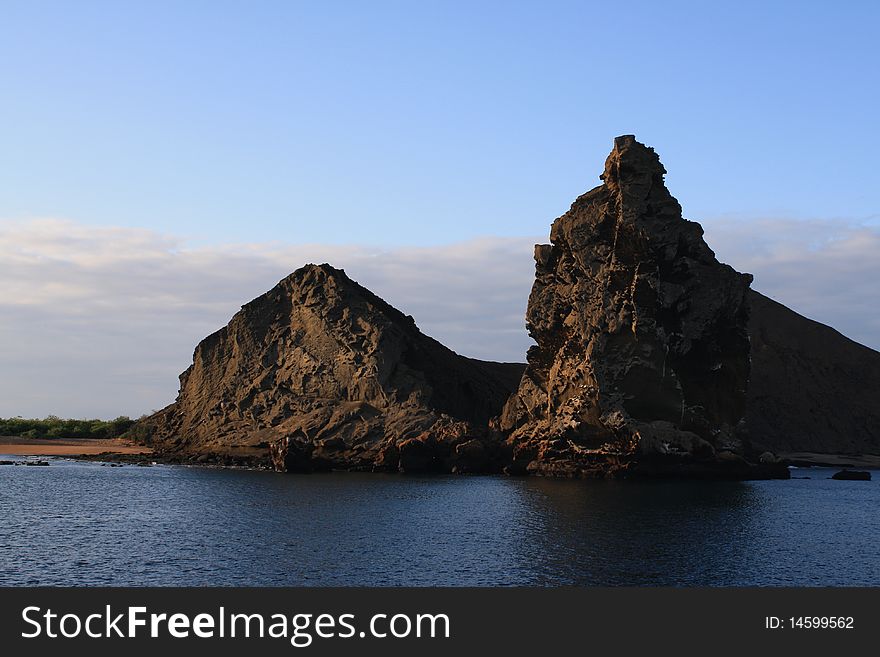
642, 348
322, 275
631, 159
325, 278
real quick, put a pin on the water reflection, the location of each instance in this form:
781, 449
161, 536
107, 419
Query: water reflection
638, 533
83, 524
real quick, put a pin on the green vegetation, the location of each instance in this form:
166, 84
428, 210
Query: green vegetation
55, 427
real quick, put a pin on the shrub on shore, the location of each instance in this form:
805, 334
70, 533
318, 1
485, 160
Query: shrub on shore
56, 427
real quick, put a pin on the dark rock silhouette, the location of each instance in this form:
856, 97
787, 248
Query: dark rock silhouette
852, 475
642, 357
331, 376
811, 388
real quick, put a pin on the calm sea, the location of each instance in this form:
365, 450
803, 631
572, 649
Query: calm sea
86, 524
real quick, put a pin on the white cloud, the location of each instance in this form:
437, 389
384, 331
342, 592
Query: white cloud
100, 321
828, 270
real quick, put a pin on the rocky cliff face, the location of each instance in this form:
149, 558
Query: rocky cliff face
642, 355
811, 388
324, 373
652, 358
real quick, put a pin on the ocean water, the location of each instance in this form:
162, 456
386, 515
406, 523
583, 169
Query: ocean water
85, 524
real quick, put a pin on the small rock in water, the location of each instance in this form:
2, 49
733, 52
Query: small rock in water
852, 475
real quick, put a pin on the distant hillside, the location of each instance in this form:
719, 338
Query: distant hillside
811, 389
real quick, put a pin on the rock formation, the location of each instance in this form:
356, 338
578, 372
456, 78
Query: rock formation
811, 388
642, 356
325, 374
652, 359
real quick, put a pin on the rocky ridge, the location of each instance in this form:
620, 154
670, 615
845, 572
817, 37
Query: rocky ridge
324, 374
811, 388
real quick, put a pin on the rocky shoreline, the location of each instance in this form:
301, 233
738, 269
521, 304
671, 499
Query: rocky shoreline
866, 464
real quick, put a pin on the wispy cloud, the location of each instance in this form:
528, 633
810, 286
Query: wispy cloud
99, 321
828, 270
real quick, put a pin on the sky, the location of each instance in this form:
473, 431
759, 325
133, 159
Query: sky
165, 162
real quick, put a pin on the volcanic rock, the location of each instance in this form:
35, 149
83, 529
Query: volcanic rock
811, 389
642, 354
852, 475
652, 359
321, 373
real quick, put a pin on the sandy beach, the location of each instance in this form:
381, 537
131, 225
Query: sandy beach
64, 447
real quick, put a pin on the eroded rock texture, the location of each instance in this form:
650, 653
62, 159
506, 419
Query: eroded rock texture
643, 366
325, 374
642, 355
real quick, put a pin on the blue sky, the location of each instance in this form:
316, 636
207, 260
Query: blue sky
164, 162
427, 122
